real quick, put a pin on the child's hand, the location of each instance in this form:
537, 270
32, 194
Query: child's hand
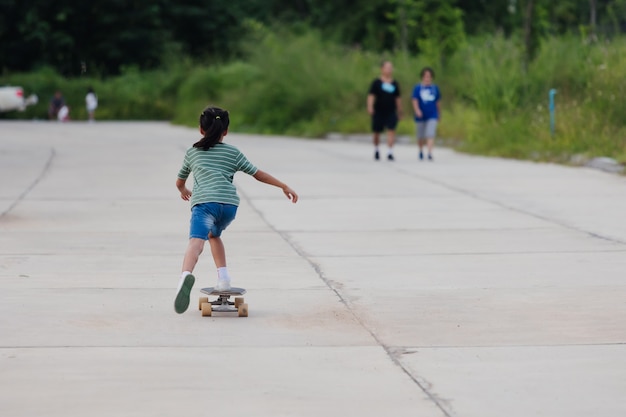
291, 194
185, 194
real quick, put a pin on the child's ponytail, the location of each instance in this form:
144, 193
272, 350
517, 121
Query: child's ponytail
214, 122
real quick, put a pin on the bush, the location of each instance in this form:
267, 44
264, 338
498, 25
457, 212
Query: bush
514, 118
295, 84
301, 84
130, 96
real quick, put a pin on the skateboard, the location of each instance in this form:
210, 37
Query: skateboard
223, 304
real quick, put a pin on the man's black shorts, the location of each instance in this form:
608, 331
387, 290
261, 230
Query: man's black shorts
380, 122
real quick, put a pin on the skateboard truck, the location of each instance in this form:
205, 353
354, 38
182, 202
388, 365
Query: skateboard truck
223, 304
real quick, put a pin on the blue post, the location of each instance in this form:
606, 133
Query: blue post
552, 108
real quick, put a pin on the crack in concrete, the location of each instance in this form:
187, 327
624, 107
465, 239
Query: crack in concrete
476, 196
442, 404
28, 189
512, 208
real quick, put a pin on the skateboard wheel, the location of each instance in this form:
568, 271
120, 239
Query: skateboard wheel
238, 301
242, 309
202, 300
207, 309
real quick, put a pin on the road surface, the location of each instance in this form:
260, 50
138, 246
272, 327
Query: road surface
468, 287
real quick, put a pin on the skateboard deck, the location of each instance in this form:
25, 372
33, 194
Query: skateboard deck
232, 291
223, 304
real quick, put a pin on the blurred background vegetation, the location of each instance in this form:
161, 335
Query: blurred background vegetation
303, 67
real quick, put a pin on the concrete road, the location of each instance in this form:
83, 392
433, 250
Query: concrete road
467, 287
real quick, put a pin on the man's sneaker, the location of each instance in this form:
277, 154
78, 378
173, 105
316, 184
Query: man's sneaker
430, 157
376, 155
182, 294
421, 155
223, 284
390, 157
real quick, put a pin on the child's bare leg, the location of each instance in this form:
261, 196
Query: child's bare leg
218, 251
219, 256
194, 249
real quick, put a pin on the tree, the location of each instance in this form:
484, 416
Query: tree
488, 16
108, 35
213, 28
441, 29
530, 38
593, 4
104, 34
615, 16
534, 18
432, 27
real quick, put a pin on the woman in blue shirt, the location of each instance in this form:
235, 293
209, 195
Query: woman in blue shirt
426, 98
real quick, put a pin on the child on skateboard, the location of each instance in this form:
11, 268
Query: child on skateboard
214, 198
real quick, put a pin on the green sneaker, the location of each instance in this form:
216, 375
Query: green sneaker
181, 303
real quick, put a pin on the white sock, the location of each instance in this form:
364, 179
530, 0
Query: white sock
182, 280
390, 151
376, 148
222, 274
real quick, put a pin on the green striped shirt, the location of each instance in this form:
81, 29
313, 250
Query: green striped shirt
213, 172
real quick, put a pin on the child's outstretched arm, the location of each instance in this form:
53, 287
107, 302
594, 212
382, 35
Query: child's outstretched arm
185, 194
268, 179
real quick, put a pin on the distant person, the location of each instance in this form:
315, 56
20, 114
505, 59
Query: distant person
214, 199
91, 101
385, 107
64, 114
56, 103
426, 99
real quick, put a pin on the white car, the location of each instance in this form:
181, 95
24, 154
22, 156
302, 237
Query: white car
12, 98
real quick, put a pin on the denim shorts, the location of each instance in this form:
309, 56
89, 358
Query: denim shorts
210, 218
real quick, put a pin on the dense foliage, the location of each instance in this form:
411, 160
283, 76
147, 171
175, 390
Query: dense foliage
302, 67
104, 37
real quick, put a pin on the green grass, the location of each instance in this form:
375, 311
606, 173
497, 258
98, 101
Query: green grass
303, 85
131, 96
512, 105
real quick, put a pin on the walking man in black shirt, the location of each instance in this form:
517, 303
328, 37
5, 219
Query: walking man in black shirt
385, 107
